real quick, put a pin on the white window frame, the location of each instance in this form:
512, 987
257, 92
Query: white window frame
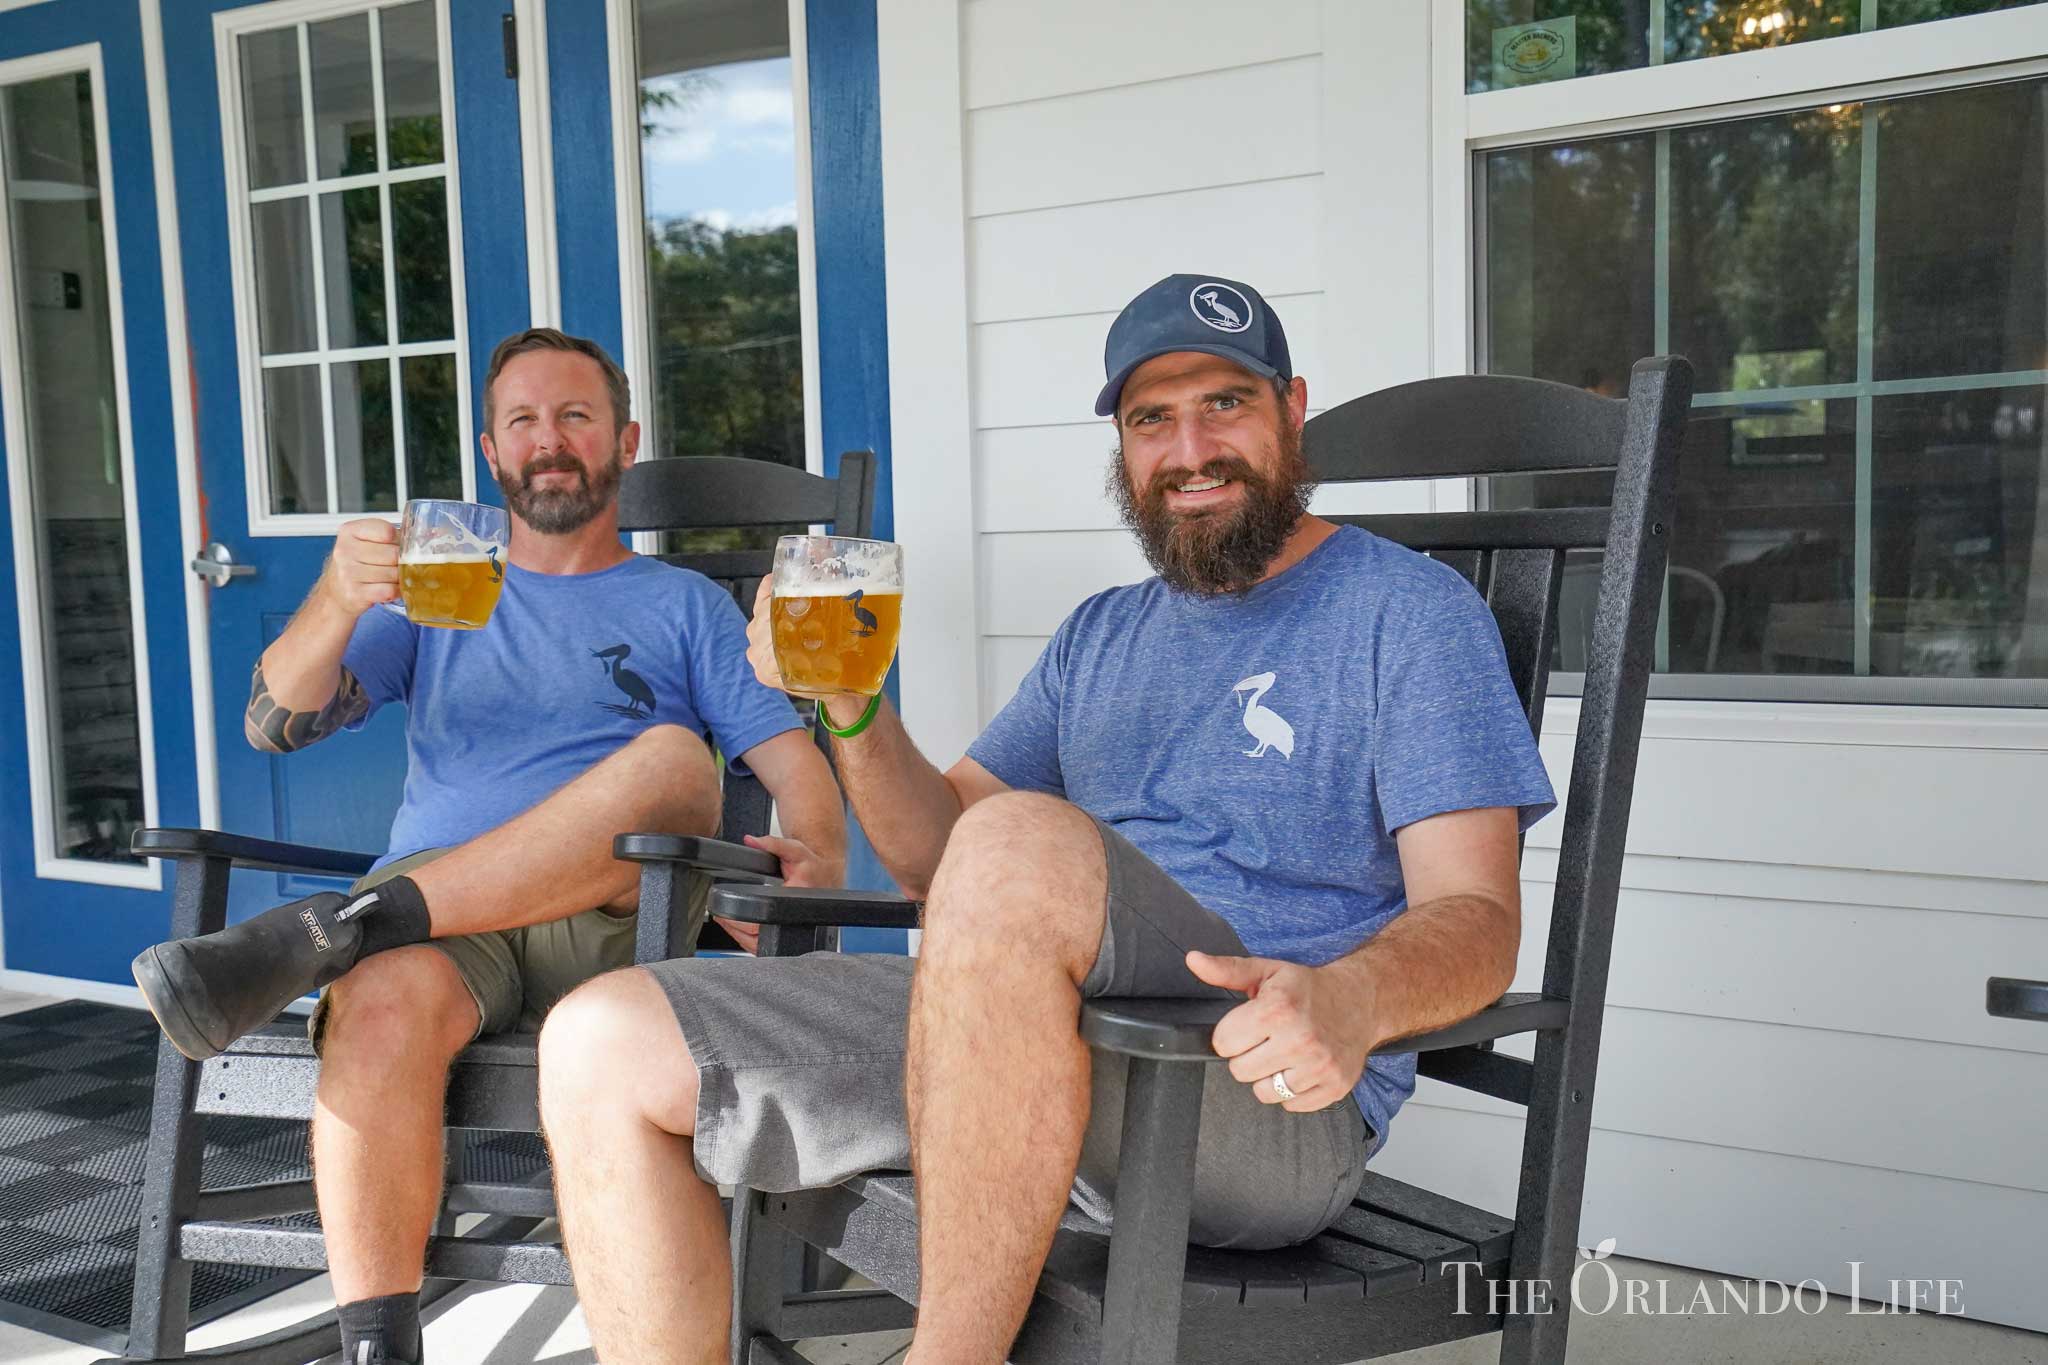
621, 23
28, 574
1945, 54
228, 28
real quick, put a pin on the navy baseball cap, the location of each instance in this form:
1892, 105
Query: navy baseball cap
1205, 313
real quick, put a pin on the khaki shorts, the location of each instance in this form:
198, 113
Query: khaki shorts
516, 976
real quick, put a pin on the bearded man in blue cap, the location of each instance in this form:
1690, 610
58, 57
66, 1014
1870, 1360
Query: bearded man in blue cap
1290, 771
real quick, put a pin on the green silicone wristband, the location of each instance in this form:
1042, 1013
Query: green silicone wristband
874, 705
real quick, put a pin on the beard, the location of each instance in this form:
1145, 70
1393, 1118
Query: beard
1208, 553
559, 511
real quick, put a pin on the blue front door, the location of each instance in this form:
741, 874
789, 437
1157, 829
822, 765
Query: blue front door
355, 229
96, 715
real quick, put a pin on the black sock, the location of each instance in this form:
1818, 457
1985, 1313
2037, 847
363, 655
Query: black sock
393, 912
389, 1326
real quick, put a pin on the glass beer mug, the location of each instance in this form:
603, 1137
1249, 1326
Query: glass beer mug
451, 563
835, 613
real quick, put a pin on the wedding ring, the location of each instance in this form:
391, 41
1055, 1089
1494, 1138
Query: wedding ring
1280, 1085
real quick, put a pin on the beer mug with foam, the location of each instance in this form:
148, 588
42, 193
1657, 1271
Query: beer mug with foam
837, 607
451, 563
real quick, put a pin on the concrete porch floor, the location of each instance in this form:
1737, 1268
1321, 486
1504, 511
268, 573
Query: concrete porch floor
529, 1325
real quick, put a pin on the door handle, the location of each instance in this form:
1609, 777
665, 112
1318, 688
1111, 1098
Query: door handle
216, 564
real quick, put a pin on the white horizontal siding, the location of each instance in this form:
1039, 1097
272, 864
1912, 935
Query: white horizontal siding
1885, 972
1091, 258
1752, 1214
1016, 50
1227, 127
1890, 1104
1047, 371
1033, 581
1959, 812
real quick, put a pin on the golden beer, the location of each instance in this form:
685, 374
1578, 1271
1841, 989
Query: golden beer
838, 642
455, 591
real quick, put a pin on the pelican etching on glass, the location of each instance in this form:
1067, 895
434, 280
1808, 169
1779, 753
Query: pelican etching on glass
639, 696
865, 622
1264, 723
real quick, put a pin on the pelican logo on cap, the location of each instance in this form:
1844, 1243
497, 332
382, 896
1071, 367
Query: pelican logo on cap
1220, 306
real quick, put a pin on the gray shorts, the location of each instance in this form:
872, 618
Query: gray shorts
801, 1074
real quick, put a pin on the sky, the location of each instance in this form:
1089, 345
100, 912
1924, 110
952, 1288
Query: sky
727, 153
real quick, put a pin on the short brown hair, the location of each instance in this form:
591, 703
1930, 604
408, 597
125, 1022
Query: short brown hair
549, 339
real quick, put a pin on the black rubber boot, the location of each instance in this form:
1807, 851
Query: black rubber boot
208, 991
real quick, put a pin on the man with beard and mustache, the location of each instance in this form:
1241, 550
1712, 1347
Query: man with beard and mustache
527, 753
1290, 771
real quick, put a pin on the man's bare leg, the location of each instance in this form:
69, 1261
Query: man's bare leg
556, 859
553, 861
393, 1025
997, 1075
618, 1098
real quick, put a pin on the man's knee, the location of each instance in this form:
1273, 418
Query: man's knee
1017, 865
408, 1002
682, 762
612, 1048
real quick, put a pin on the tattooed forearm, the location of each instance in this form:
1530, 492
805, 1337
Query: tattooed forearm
270, 727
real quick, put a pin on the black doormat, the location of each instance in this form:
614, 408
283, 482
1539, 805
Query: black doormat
75, 1083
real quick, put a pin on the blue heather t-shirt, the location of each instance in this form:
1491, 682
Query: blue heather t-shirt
1263, 749
569, 669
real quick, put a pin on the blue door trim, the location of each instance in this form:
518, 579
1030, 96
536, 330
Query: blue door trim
68, 928
586, 190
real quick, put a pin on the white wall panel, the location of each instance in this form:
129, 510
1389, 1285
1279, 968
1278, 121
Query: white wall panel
1091, 258
1752, 1214
1031, 582
1891, 1104
1876, 970
1047, 371
1832, 885
1013, 50
1044, 478
1965, 812
1248, 123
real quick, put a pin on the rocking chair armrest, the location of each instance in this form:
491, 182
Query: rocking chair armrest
718, 857
261, 855
2008, 997
815, 907
1178, 1029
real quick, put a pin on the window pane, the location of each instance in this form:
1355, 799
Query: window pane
412, 84
365, 466
419, 243
352, 236
75, 480
283, 245
1890, 525
1763, 249
1570, 252
718, 160
344, 100
1524, 42
1960, 283
298, 448
273, 116
433, 435
1959, 531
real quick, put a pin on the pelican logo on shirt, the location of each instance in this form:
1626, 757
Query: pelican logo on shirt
639, 703
1261, 721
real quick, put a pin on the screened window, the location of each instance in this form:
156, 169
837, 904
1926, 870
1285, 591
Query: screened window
1861, 289
352, 313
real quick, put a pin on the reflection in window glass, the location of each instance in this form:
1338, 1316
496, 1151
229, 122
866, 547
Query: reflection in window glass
718, 175
372, 261
1510, 43
1861, 490
80, 529
344, 99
